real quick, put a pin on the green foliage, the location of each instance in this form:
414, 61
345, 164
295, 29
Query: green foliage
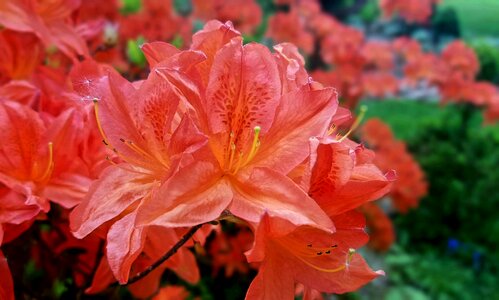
447, 247
429, 275
130, 6
488, 56
460, 159
477, 17
446, 22
370, 11
407, 118
134, 53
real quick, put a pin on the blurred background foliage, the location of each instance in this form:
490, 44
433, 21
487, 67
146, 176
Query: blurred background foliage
447, 247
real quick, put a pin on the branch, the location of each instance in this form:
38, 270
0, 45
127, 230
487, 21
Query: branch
167, 255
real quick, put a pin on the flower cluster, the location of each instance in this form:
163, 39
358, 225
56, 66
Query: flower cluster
219, 132
223, 131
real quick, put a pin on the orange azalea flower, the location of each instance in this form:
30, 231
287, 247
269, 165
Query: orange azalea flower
344, 177
380, 84
156, 21
37, 158
151, 140
49, 20
461, 60
144, 246
378, 55
245, 14
256, 136
413, 11
13, 210
172, 292
227, 251
20, 54
411, 185
290, 27
320, 260
7, 286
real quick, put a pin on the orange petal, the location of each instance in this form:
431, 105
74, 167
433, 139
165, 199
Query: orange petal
109, 196
196, 194
267, 191
301, 115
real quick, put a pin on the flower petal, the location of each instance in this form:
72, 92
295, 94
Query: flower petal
301, 115
195, 195
268, 191
124, 245
108, 197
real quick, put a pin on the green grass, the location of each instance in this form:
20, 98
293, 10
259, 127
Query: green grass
405, 117
477, 17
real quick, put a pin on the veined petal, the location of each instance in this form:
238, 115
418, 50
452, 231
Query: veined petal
268, 191
124, 245
157, 52
108, 197
195, 194
332, 170
13, 208
272, 282
21, 134
243, 91
187, 138
367, 183
214, 35
301, 115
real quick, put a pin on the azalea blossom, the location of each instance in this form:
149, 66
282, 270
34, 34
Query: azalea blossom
256, 135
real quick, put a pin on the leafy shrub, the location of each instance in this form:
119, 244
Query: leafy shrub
488, 56
456, 226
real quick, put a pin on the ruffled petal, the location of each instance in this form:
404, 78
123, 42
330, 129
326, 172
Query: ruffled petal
108, 197
195, 194
301, 115
268, 191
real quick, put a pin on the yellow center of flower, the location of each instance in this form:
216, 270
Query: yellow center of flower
237, 158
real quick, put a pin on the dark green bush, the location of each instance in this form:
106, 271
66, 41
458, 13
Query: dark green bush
488, 56
455, 230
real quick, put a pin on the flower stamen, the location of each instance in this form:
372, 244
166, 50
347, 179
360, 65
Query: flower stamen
50, 164
356, 123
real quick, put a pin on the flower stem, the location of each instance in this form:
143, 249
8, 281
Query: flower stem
167, 255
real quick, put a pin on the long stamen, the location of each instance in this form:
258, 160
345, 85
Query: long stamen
338, 269
96, 111
238, 164
50, 164
363, 110
255, 145
136, 148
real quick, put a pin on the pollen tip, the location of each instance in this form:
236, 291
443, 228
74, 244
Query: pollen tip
257, 129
